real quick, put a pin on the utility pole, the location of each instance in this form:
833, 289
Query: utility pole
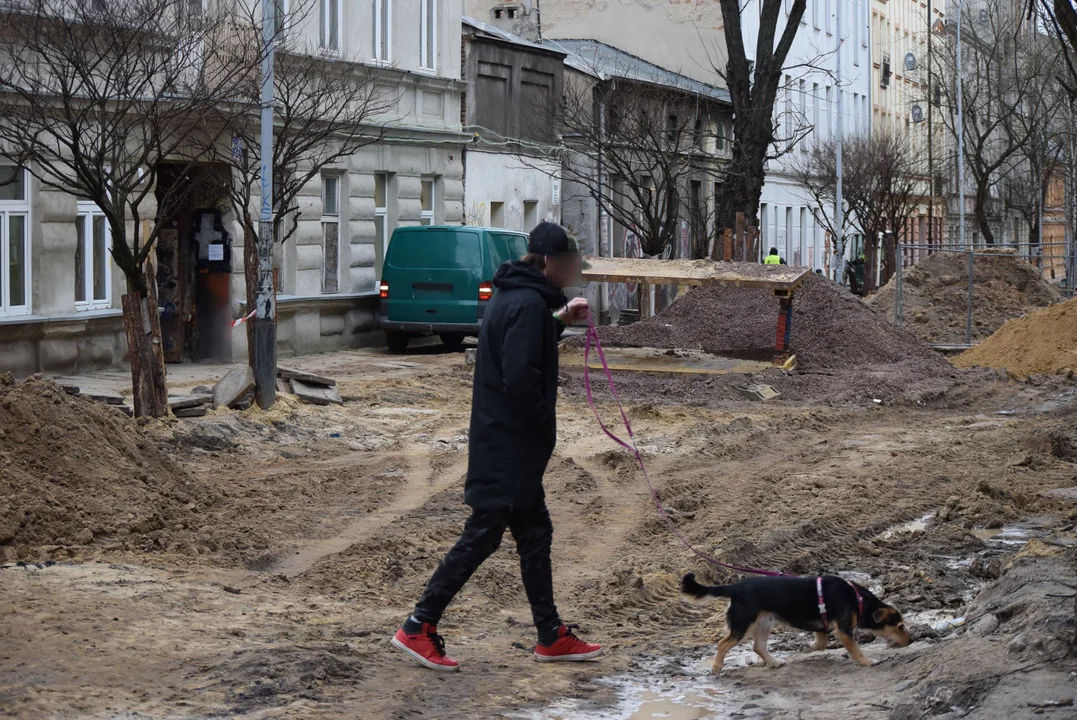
930, 136
264, 329
839, 230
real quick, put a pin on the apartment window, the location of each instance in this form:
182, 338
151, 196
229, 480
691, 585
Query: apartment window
381, 210
280, 19
815, 106
802, 112
383, 17
330, 233
331, 22
14, 242
790, 126
497, 214
829, 18
866, 23
93, 279
815, 14
426, 197
428, 23
856, 32
829, 112
720, 139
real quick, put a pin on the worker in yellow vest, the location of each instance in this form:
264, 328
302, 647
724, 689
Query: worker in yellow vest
774, 258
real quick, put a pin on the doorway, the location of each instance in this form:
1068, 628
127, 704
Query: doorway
194, 264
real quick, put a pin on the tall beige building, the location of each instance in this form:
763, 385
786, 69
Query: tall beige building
902, 99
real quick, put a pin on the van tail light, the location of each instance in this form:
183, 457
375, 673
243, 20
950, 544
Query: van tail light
486, 291
383, 290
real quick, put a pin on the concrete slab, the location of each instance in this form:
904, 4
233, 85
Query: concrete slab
305, 377
233, 387
104, 396
191, 412
759, 392
315, 394
184, 402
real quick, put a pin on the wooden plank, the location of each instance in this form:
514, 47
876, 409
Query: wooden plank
695, 273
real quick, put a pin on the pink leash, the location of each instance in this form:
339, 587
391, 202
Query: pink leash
630, 446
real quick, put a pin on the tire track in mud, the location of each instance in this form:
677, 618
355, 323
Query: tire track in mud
427, 473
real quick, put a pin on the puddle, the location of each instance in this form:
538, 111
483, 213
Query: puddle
913, 526
1008, 535
673, 689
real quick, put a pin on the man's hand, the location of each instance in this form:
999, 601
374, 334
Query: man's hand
575, 311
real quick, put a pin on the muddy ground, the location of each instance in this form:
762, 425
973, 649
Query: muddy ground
952, 498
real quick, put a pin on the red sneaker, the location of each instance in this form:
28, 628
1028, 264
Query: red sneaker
427, 647
568, 648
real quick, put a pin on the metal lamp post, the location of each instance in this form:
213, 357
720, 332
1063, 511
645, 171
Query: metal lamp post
839, 230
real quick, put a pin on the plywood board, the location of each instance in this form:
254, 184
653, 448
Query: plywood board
694, 272
664, 361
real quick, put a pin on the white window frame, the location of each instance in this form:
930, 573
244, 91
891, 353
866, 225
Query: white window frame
426, 216
324, 14
382, 212
330, 218
428, 25
9, 208
86, 212
382, 54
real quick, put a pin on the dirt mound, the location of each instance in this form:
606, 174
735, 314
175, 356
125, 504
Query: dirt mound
935, 295
77, 473
1042, 342
832, 329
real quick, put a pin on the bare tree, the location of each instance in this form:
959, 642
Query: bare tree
95, 97
754, 87
652, 139
327, 109
882, 175
1059, 18
1004, 79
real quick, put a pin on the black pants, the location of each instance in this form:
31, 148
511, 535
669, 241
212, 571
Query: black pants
482, 534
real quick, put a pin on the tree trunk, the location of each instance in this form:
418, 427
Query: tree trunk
744, 188
981, 215
147, 366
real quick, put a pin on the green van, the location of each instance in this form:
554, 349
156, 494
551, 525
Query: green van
437, 280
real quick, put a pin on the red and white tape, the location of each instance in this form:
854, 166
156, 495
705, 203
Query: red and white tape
237, 323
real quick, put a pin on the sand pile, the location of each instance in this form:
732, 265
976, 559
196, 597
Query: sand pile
935, 295
832, 329
74, 472
1042, 342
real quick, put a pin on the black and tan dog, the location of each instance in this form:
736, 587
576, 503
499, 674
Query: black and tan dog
757, 604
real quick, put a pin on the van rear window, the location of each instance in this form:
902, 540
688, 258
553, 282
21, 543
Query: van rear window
435, 250
505, 248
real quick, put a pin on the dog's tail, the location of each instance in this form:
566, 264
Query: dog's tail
690, 587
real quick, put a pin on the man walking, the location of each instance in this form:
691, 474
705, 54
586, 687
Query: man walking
513, 433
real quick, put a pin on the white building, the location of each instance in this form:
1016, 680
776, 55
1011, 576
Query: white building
61, 310
807, 106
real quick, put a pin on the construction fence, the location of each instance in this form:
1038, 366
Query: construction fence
1055, 262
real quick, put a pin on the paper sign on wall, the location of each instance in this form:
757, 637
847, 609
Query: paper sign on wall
216, 252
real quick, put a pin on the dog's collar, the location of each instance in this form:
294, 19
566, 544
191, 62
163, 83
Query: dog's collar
822, 603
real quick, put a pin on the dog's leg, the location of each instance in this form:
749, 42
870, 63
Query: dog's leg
853, 649
760, 633
821, 639
724, 646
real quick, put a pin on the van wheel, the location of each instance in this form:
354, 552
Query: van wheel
397, 342
452, 342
